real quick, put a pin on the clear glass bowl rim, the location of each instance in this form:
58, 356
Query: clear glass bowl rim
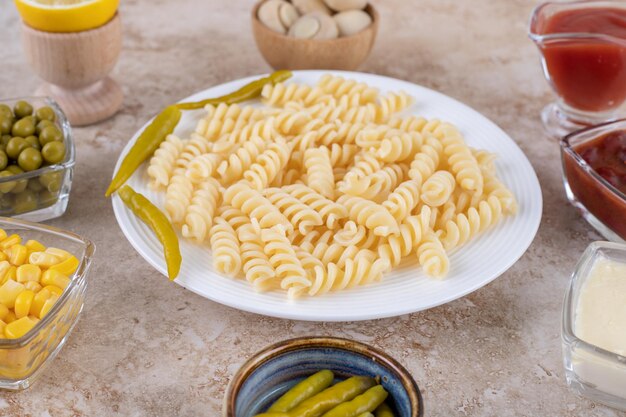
539, 38
604, 128
568, 308
80, 274
70, 154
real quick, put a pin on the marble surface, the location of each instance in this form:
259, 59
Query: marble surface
146, 347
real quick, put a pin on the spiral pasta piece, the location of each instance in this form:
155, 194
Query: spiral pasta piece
252, 202
460, 159
438, 188
203, 166
403, 199
339, 87
178, 197
356, 235
163, 161
432, 256
267, 166
225, 248
369, 214
262, 128
427, 160
457, 232
412, 231
361, 270
285, 262
280, 94
399, 146
302, 217
331, 212
232, 169
225, 118
376, 186
390, 104
196, 146
202, 207
341, 156
255, 264
320, 171
408, 124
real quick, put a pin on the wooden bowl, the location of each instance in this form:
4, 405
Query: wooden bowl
75, 68
344, 53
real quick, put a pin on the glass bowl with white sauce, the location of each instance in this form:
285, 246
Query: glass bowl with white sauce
594, 325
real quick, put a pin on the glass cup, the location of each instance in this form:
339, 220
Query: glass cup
591, 371
587, 71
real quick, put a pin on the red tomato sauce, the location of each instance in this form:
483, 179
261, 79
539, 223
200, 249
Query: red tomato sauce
607, 156
589, 74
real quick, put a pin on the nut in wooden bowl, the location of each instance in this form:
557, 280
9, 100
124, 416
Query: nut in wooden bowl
282, 51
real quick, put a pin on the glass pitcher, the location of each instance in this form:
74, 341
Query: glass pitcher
585, 68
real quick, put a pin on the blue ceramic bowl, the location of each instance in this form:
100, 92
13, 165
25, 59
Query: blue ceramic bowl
271, 372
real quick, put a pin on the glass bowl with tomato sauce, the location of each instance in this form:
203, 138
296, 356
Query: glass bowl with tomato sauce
594, 175
583, 47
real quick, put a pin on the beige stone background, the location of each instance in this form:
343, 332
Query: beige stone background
146, 347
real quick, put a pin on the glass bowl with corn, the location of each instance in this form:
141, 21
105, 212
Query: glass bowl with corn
42, 288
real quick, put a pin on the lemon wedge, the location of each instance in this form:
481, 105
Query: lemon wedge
66, 15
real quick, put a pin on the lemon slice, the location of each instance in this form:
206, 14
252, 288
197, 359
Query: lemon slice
66, 15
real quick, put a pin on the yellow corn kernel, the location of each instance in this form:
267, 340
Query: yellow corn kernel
33, 286
34, 246
38, 301
67, 267
4, 310
43, 259
3, 234
33, 318
10, 241
48, 306
54, 277
2, 326
18, 328
11, 274
3, 256
53, 289
59, 253
18, 255
23, 303
27, 273
9, 317
9, 292
4, 268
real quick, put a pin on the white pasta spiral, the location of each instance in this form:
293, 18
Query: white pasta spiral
330, 211
255, 263
302, 217
283, 259
267, 166
432, 256
232, 169
462, 162
199, 216
369, 214
178, 197
403, 199
339, 86
225, 248
162, 162
390, 104
280, 94
320, 171
412, 231
427, 160
438, 188
251, 202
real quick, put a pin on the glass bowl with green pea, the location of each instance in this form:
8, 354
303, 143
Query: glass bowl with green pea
37, 158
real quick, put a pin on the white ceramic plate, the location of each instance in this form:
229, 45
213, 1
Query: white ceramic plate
404, 290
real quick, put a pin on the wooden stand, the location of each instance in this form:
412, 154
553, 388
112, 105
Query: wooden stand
76, 67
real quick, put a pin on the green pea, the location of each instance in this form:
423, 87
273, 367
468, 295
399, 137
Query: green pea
45, 113
25, 201
30, 159
4, 160
50, 134
22, 109
20, 185
23, 128
4, 140
6, 203
42, 124
35, 185
6, 110
53, 152
47, 198
33, 142
15, 146
6, 123
51, 181
6, 186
